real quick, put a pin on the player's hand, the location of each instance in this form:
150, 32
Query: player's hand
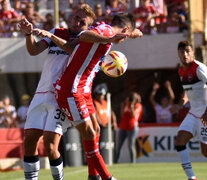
136, 33
168, 84
25, 26
42, 33
204, 118
156, 86
118, 38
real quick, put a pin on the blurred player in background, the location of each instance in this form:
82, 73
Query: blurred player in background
131, 114
193, 75
100, 103
73, 89
44, 117
22, 110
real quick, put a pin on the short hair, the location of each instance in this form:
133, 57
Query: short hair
184, 44
123, 19
87, 10
30, 5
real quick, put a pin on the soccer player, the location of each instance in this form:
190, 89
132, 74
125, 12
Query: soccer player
73, 88
44, 117
193, 75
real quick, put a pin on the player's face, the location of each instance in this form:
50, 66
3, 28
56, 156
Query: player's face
79, 22
186, 55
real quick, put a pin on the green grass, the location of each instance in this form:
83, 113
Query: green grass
139, 171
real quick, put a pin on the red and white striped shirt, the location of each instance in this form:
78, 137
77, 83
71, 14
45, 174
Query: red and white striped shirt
84, 64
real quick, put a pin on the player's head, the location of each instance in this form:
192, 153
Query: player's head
164, 101
185, 52
124, 21
82, 19
4, 4
134, 98
100, 91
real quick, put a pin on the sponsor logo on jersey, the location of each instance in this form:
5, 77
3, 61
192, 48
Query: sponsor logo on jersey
57, 52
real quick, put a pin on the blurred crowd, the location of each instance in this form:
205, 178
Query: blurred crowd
132, 110
152, 16
10, 117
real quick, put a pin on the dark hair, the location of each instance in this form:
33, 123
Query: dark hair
123, 19
184, 44
134, 96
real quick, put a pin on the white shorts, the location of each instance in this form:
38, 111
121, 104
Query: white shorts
194, 125
45, 114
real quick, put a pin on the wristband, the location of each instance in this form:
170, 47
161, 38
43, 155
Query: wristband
28, 34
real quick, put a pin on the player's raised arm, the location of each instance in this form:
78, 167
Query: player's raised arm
67, 46
33, 47
92, 36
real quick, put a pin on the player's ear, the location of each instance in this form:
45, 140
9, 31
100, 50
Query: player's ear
124, 30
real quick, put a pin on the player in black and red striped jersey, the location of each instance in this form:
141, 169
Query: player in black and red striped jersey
193, 75
44, 117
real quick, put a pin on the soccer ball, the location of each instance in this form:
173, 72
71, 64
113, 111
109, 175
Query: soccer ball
114, 64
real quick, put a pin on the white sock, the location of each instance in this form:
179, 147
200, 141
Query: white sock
31, 168
56, 167
186, 163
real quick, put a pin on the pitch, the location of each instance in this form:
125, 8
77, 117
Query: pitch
138, 171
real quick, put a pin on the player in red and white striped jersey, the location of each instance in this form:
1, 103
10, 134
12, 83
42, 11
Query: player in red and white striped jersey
193, 75
44, 116
73, 88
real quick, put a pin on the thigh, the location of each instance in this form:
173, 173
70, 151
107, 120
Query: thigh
56, 121
204, 149
74, 107
95, 123
132, 135
182, 138
89, 103
86, 130
202, 133
36, 117
189, 124
121, 135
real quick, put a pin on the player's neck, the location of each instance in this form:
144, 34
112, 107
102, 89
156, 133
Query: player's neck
186, 66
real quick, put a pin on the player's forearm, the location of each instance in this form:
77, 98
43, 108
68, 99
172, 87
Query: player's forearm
32, 46
63, 44
152, 98
171, 94
90, 36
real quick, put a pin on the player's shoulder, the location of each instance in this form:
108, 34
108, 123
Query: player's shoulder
103, 28
100, 24
200, 64
201, 67
60, 31
195, 65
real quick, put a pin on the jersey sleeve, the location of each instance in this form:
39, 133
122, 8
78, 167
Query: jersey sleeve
202, 72
103, 29
48, 40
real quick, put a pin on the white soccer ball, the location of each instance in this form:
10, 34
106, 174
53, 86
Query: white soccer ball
114, 64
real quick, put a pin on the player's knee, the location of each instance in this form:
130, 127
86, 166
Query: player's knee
50, 148
180, 148
179, 141
90, 133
